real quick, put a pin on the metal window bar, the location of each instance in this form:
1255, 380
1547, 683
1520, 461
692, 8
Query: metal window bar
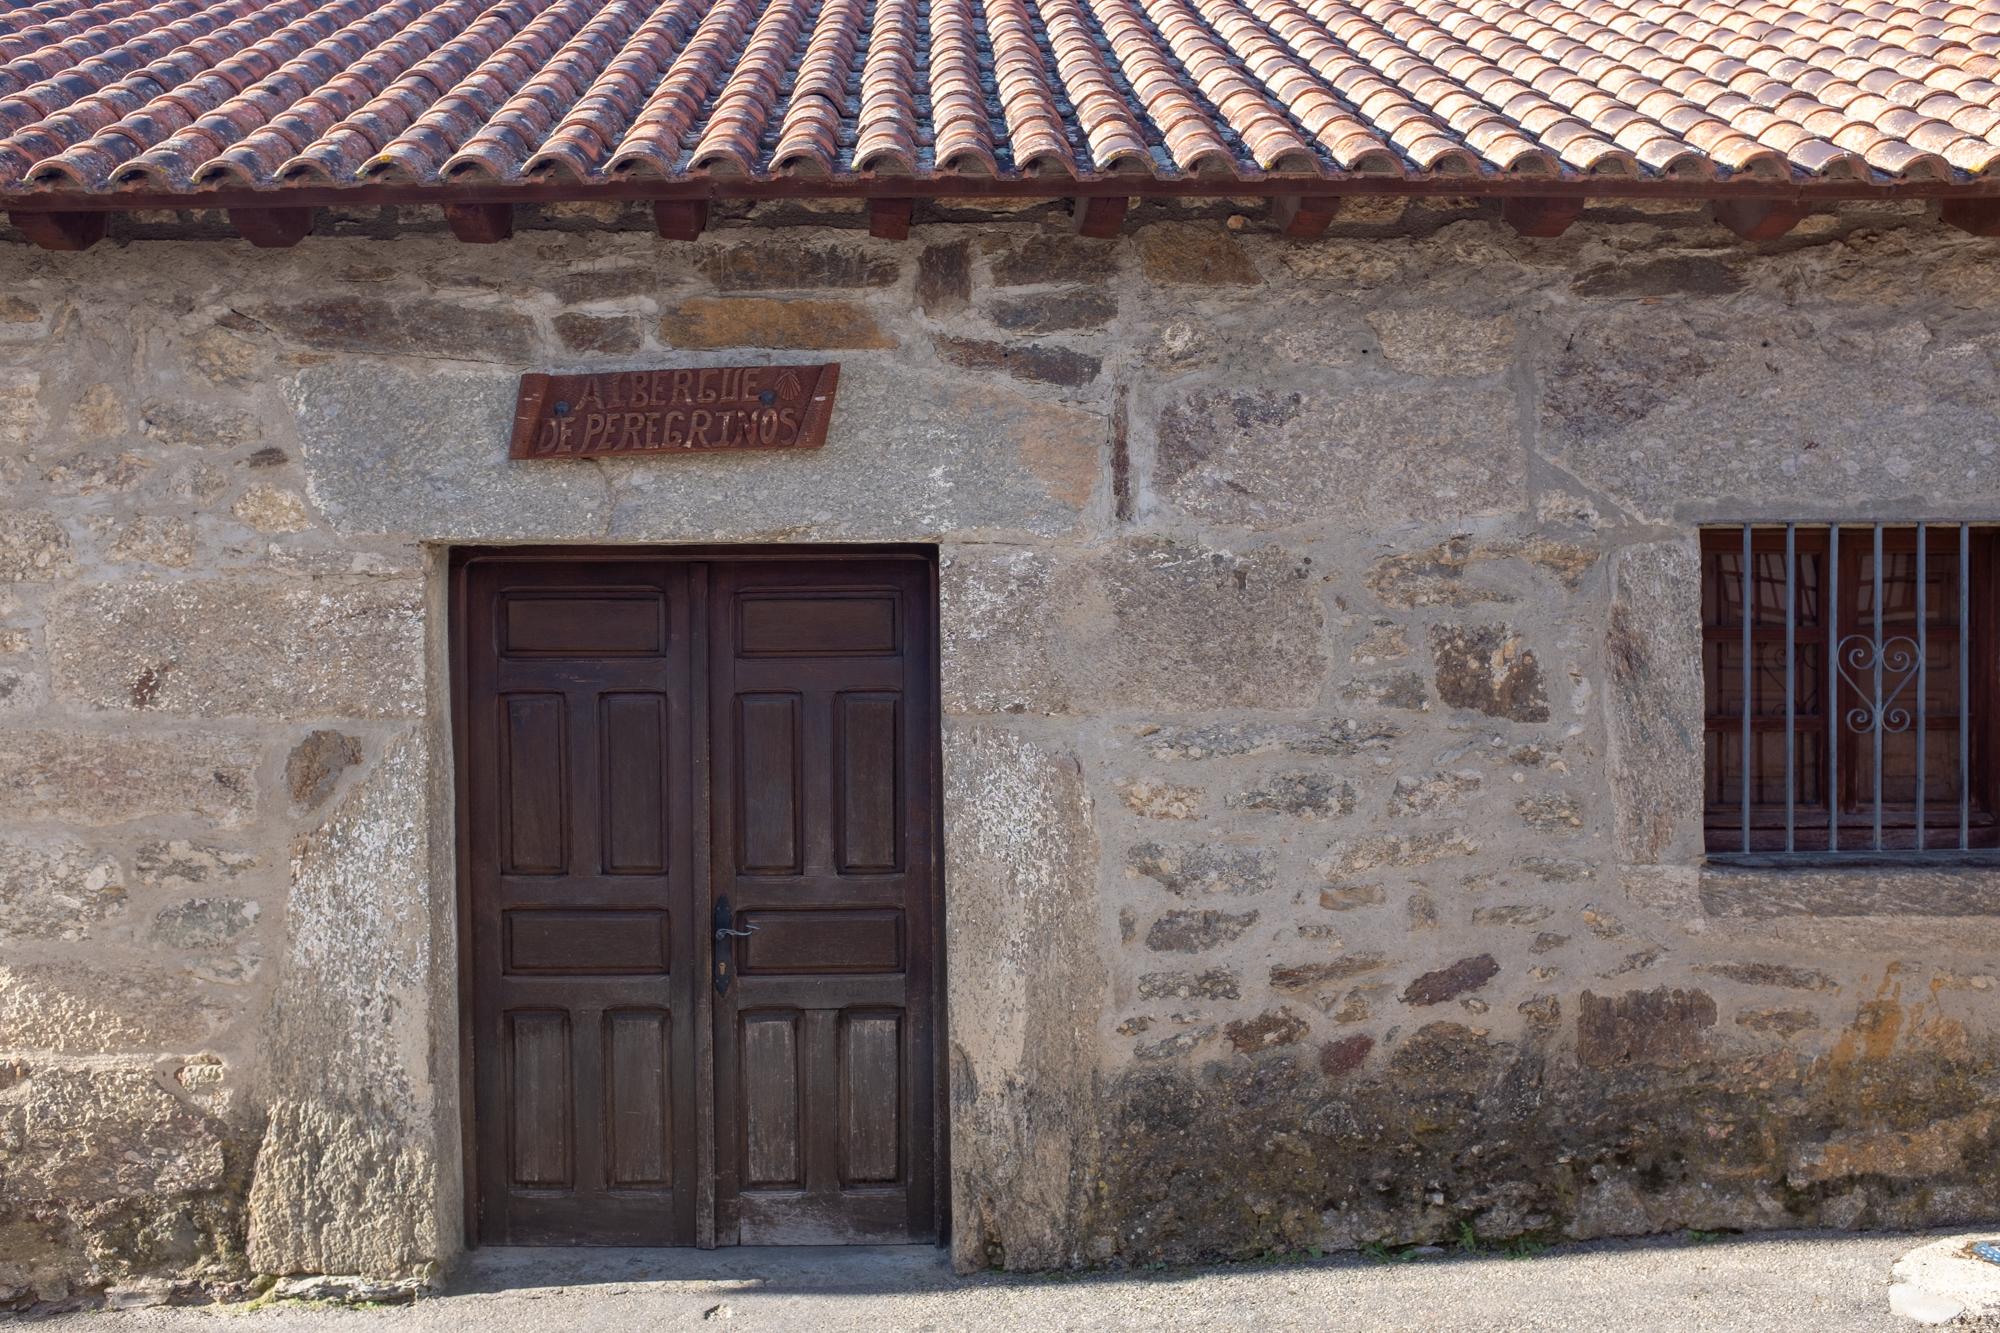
1875, 722
1964, 688
1923, 670
1829, 600
1748, 601
1791, 692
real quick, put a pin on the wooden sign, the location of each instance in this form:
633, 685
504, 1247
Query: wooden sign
697, 410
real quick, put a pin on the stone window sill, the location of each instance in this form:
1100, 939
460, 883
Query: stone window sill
1942, 887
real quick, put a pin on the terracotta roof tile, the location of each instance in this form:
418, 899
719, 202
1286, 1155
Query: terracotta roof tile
1036, 130
960, 120
592, 127
885, 130
188, 95
653, 144
808, 141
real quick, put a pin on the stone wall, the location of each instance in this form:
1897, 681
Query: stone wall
1322, 717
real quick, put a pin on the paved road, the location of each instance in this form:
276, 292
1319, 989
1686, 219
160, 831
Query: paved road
1795, 1283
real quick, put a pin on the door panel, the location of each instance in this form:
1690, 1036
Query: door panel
582, 919
870, 787
620, 808
823, 1052
767, 736
538, 1059
871, 1081
537, 796
586, 943
638, 1122
770, 1046
634, 727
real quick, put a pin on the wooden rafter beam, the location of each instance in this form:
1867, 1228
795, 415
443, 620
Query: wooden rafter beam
889, 218
1101, 215
62, 231
1541, 215
1759, 219
680, 219
1979, 217
1304, 217
272, 228
480, 224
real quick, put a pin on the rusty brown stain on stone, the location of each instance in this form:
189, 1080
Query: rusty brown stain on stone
1064, 462
761, 321
1433, 577
1877, 1023
1888, 1027
1934, 1150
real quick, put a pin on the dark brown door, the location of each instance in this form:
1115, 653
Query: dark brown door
822, 732
583, 919
656, 751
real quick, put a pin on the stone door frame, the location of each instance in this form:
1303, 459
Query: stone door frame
451, 776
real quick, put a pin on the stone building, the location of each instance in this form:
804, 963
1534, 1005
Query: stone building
1243, 738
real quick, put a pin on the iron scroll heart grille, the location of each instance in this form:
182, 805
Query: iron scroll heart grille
1888, 666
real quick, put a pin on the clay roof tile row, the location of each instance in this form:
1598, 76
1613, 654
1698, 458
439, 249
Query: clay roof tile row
185, 95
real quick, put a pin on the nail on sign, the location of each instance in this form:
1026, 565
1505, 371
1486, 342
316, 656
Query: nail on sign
696, 410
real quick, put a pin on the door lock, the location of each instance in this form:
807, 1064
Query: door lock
726, 930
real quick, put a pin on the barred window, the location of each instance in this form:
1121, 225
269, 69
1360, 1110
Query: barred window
1851, 690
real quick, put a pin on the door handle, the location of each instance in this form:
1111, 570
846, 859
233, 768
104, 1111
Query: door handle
726, 930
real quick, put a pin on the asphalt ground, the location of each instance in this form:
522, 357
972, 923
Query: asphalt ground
1794, 1282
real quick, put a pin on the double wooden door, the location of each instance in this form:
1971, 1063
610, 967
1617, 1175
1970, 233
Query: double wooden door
700, 898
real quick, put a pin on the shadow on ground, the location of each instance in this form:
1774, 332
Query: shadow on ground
860, 1269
